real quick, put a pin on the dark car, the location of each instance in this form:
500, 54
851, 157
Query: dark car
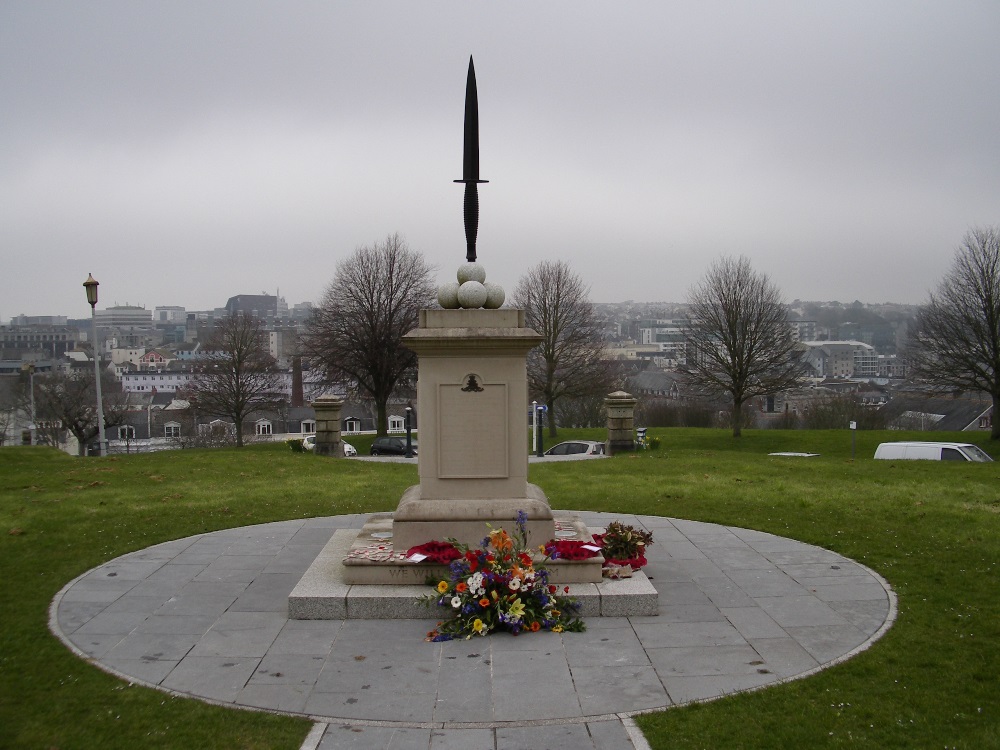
574, 447
390, 446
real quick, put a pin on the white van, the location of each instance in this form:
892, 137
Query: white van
932, 451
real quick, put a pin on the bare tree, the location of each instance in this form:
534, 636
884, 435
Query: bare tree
569, 363
955, 341
738, 338
237, 376
70, 400
355, 334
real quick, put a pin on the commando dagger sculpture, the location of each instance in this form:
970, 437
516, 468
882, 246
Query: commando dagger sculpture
472, 291
470, 164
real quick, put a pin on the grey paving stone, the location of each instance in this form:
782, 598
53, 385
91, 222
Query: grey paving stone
131, 602
190, 624
372, 705
73, 614
766, 582
684, 689
866, 616
740, 558
753, 622
609, 735
274, 697
306, 637
604, 690
219, 677
153, 646
685, 550
347, 737
827, 642
240, 634
704, 661
518, 699
121, 623
377, 676
691, 613
385, 640
849, 592
560, 737
722, 592
124, 569
798, 611
310, 535
268, 593
803, 572
783, 656
680, 634
288, 669
96, 645
462, 739
177, 572
618, 646
147, 670
465, 688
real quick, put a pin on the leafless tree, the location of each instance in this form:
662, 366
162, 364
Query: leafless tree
70, 400
569, 363
738, 339
237, 376
955, 341
355, 334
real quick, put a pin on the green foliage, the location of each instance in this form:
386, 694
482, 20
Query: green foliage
653, 443
295, 444
623, 542
932, 529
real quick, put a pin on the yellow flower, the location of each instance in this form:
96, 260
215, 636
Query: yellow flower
442, 587
516, 609
477, 625
557, 628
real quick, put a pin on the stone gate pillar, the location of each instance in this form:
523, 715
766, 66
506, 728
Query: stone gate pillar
328, 442
621, 409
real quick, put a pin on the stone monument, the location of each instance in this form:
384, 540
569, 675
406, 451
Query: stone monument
472, 391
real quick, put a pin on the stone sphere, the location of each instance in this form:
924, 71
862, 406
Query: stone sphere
494, 296
471, 295
471, 272
448, 296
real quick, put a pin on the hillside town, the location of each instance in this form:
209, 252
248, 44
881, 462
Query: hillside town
852, 357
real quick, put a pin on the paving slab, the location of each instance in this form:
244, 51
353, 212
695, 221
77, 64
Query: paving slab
207, 616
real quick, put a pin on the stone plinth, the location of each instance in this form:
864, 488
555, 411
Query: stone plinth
328, 441
620, 407
472, 388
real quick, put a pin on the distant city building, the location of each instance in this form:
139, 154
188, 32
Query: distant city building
263, 306
124, 316
53, 341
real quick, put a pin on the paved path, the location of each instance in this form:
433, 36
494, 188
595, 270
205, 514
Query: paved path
206, 616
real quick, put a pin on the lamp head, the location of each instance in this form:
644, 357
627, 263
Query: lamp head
91, 285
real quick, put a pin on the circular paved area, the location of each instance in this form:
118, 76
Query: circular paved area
206, 617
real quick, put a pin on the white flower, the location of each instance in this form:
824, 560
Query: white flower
456, 602
515, 584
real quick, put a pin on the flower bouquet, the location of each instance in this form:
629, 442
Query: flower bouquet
624, 545
498, 587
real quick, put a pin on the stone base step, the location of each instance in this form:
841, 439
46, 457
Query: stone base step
323, 592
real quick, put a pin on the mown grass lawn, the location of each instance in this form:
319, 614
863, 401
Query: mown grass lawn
932, 529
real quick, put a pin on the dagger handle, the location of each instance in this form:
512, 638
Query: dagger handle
471, 220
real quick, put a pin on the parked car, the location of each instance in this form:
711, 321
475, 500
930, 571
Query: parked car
309, 444
574, 447
930, 451
390, 446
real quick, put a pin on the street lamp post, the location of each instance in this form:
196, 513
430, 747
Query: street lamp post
33, 425
91, 285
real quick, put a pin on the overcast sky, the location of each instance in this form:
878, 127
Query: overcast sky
184, 152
